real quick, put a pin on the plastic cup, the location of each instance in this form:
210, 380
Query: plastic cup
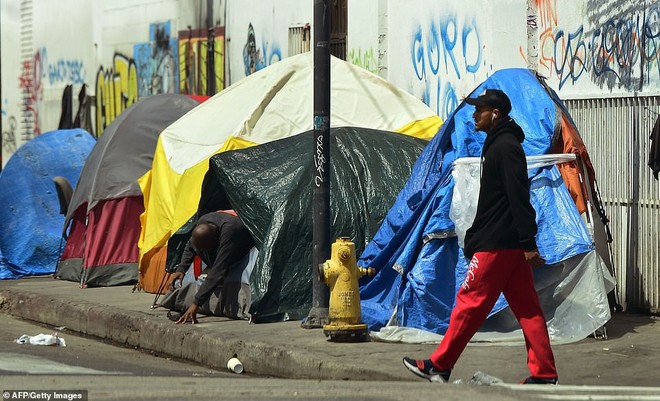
235, 365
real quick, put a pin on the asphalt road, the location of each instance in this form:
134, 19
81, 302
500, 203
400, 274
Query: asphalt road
101, 371
104, 371
83, 356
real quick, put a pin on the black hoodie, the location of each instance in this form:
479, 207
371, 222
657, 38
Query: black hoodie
505, 217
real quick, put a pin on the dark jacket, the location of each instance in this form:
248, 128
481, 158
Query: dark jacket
505, 218
654, 152
234, 242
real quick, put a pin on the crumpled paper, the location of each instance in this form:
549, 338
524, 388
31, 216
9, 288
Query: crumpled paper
42, 339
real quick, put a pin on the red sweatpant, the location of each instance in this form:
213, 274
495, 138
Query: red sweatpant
491, 273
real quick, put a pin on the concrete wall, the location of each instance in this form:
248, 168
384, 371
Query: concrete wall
120, 49
60, 57
10, 71
600, 48
363, 46
258, 32
439, 51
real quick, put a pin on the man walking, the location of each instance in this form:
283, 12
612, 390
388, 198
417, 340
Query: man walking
501, 248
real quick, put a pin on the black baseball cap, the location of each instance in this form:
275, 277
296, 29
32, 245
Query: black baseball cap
493, 98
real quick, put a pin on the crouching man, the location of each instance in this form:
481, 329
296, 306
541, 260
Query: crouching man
221, 240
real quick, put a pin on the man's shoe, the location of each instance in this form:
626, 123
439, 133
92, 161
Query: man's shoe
173, 315
424, 368
540, 380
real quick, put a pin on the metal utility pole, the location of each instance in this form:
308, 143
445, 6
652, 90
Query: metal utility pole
210, 50
318, 315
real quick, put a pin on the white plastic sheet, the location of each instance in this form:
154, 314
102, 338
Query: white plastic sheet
42, 339
573, 294
467, 175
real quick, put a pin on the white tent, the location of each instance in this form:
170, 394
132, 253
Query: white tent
273, 103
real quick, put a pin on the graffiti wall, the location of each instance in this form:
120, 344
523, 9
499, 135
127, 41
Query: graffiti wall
116, 89
366, 20
593, 47
80, 62
194, 60
257, 33
9, 22
157, 61
38, 64
441, 51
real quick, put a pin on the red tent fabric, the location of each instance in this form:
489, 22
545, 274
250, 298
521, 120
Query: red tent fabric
199, 98
104, 214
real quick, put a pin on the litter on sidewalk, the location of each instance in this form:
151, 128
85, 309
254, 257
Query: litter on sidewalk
42, 339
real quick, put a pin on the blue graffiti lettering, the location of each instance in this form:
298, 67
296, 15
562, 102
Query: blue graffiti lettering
570, 64
622, 51
450, 100
67, 71
418, 54
600, 63
63, 70
433, 50
470, 30
449, 27
445, 41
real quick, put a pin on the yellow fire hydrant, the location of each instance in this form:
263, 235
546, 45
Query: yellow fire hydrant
341, 274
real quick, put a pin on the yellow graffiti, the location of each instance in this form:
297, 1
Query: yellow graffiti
116, 90
193, 64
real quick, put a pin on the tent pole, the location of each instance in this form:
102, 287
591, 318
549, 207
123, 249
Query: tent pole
318, 314
210, 49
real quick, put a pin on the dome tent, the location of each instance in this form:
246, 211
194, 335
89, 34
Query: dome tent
31, 230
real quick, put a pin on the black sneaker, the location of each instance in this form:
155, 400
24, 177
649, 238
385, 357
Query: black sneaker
540, 380
424, 368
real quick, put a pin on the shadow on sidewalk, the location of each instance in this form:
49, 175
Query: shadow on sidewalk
623, 323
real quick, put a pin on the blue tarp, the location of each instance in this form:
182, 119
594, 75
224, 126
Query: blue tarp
3, 264
29, 208
419, 278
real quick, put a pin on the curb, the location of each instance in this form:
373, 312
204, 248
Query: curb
147, 332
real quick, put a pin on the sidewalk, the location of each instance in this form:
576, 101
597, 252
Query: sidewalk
628, 358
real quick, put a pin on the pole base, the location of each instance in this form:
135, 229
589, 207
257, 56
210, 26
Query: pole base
346, 333
316, 319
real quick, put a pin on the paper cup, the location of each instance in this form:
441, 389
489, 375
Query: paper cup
235, 365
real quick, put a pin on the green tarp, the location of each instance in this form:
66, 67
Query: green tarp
270, 187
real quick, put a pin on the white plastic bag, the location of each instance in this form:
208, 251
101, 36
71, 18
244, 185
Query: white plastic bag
463, 208
42, 339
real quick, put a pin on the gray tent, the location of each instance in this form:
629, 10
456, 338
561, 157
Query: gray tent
106, 204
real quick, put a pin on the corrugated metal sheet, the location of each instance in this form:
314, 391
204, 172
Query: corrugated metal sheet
617, 132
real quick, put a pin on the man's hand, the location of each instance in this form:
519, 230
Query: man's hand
175, 276
190, 315
534, 258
